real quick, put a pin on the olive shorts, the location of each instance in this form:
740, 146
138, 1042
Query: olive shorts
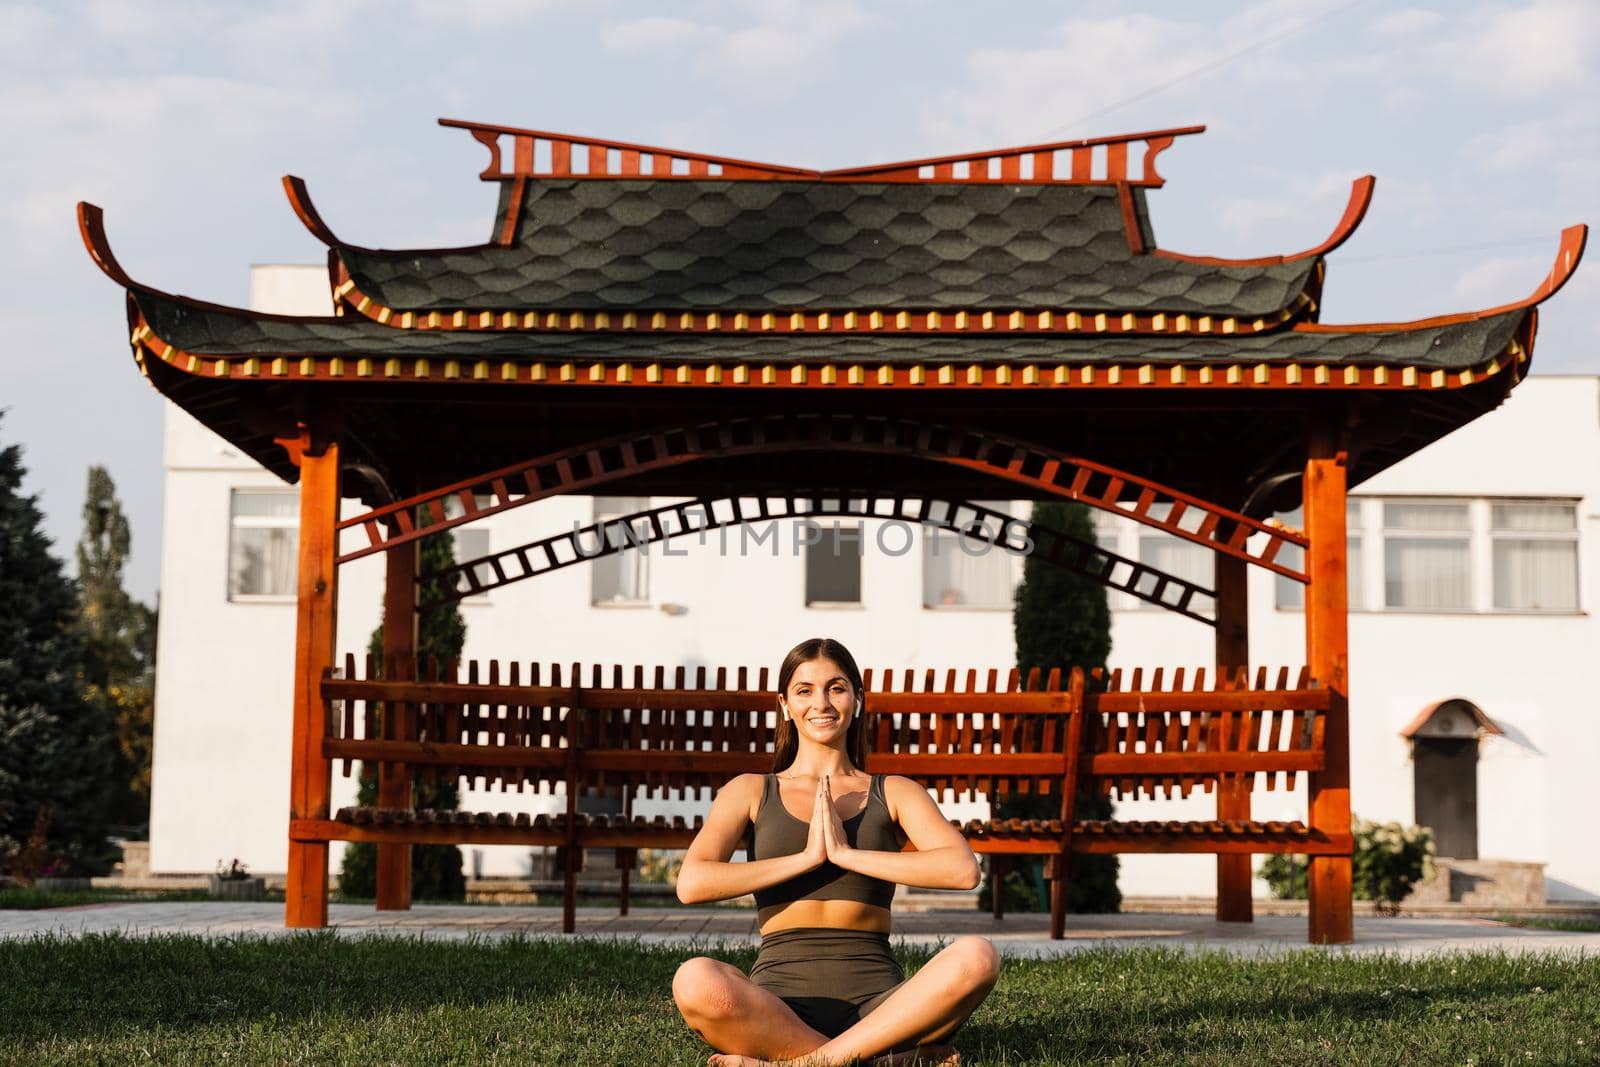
829, 978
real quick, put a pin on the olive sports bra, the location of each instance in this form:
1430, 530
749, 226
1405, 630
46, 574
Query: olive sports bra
776, 832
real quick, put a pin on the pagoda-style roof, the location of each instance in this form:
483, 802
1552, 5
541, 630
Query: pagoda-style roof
1022, 288
732, 246
209, 331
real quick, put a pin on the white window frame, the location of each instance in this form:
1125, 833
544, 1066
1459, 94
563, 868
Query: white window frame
1569, 536
847, 531
487, 572
603, 517
1143, 533
1481, 536
1469, 533
938, 542
1358, 520
258, 522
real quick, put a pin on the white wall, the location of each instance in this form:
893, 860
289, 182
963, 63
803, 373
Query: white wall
222, 722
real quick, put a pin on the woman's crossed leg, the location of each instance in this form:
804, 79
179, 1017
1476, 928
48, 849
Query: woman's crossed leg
752, 1026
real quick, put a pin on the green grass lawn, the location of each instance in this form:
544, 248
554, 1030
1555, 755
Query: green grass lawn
319, 998
31, 899
1544, 922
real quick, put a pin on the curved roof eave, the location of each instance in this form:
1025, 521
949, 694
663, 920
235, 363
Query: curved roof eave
1569, 252
299, 196
91, 228
1354, 211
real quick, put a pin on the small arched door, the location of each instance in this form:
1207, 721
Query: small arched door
1444, 759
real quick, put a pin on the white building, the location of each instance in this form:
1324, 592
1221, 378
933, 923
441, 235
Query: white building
1473, 574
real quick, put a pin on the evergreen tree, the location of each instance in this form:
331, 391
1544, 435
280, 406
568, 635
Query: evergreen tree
436, 872
118, 651
1061, 620
55, 748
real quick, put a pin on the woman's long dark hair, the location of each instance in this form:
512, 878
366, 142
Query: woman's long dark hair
787, 742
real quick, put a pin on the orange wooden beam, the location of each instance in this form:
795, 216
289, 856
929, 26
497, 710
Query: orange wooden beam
316, 616
1233, 790
395, 779
1327, 656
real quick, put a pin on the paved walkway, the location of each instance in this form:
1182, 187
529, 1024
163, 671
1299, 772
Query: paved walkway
1017, 935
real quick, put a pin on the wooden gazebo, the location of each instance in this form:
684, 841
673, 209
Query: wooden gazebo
893, 340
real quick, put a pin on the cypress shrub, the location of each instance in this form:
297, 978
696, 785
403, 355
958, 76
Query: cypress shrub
1061, 621
436, 871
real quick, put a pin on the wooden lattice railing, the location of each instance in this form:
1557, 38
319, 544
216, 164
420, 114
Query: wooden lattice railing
680, 734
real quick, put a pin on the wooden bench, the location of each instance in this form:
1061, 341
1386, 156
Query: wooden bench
680, 735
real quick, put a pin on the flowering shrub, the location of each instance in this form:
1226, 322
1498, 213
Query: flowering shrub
659, 865
1389, 860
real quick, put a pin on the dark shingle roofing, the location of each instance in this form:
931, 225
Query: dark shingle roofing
795, 245
205, 330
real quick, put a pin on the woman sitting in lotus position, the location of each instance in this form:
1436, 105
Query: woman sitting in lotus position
825, 843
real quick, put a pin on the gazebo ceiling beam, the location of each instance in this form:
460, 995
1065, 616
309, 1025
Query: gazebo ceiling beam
698, 516
1041, 469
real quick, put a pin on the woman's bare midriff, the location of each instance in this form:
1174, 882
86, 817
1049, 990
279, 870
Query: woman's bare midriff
825, 915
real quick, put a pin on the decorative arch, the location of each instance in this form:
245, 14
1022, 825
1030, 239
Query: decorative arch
1449, 718
1038, 468
698, 516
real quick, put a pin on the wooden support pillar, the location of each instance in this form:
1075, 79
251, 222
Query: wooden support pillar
1233, 790
571, 852
1062, 861
400, 720
316, 614
1328, 657
626, 859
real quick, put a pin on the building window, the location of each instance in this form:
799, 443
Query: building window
1290, 594
1113, 534
621, 577
262, 542
968, 572
1535, 555
1427, 555
472, 542
833, 564
1172, 555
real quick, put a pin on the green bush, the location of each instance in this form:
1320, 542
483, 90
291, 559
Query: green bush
1389, 859
1060, 620
436, 871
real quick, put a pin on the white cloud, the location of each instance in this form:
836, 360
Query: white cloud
27, 29
488, 14
1025, 94
787, 46
287, 42
129, 137
1409, 22
1309, 207
1499, 280
647, 35
1536, 49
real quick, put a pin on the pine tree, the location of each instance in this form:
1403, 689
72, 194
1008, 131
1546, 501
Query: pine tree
436, 872
1061, 621
55, 748
118, 651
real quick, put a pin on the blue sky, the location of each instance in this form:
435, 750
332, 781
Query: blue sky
1481, 121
